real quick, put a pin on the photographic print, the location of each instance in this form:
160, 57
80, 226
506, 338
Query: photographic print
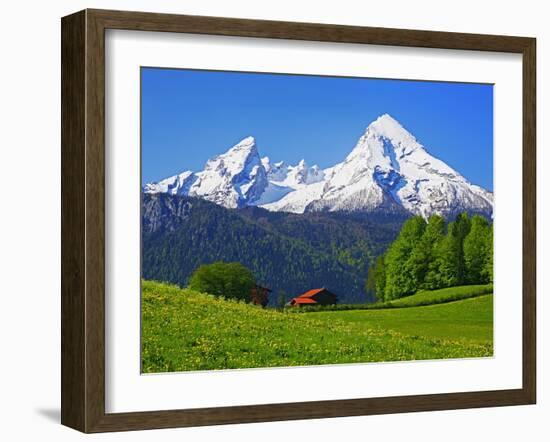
296, 220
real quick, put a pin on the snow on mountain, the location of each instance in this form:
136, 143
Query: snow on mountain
302, 174
233, 179
292, 176
295, 201
387, 170
174, 185
275, 171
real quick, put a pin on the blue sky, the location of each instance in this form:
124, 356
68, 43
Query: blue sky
189, 116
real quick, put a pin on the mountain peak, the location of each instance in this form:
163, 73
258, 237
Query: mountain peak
388, 127
387, 170
237, 156
233, 178
247, 141
388, 118
246, 145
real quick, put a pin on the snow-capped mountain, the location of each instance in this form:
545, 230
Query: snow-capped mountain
234, 179
387, 170
174, 185
292, 176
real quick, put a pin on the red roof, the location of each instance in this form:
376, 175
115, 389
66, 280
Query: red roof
300, 300
310, 293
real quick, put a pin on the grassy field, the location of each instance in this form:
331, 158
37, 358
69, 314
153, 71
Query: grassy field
421, 298
431, 297
184, 330
470, 320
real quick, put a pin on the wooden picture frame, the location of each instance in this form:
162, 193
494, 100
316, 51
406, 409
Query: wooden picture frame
83, 220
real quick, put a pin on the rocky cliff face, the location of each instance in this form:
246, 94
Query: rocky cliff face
163, 214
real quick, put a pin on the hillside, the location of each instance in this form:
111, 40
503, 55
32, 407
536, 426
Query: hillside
468, 320
419, 299
450, 294
184, 330
285, 251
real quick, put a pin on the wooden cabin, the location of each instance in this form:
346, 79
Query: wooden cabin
259, 295
320, 296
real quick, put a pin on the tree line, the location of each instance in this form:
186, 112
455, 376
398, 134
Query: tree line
432, 255
284, 251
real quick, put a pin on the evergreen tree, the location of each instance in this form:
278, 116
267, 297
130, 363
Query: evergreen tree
487, 272
446, 263
370, 284
381, 278
476, 251
462, 228
448, 268
283, 250
423, 253
281, 299
400, 279
376, 279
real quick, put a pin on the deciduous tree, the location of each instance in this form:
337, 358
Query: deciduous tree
227, 279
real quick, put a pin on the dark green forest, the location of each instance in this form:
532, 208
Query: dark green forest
432, 255
289, 253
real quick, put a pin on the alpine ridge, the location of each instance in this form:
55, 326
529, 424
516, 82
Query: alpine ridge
388, 171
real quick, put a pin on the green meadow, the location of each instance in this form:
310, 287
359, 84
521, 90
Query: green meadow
185, 330
467, 321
